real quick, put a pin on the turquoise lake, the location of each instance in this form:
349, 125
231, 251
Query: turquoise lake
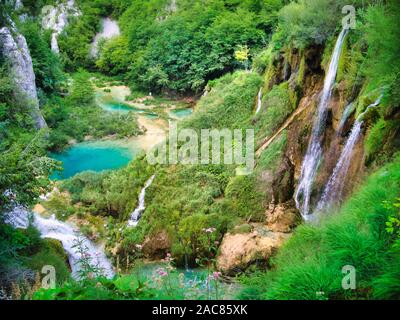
121, 107
181, 113
92, 156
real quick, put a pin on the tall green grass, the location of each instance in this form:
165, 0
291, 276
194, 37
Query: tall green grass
310, 265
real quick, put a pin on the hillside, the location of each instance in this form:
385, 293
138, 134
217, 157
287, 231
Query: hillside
105, 173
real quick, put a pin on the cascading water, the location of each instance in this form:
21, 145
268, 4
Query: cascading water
259, 101
334, 188
110, 29
15, 50
19, 217
314, 150
346, 114
137, 213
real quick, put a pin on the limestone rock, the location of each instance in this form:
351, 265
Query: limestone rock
239, 250
157, 246
15, 50
283, 218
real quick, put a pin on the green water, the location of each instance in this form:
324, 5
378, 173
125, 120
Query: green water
181, 113
93, 156
195, 285
120, 107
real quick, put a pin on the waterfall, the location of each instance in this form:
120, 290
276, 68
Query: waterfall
56, 19
15, 50
137, 213
334, 188
110, 29
259, 101
314, 150
51, 228
348, 110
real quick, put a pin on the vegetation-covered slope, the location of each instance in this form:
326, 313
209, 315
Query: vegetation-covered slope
230, 50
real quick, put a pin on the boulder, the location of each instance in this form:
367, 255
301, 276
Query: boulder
157, 246
283, 217
238, 251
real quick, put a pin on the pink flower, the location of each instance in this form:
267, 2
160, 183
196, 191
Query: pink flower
161, 272
210, 230
216, 275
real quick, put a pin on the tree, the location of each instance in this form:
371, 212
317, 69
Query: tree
242, 55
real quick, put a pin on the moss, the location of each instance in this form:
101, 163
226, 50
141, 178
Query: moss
242, 229
279, 103
51, 253
302, 67
377, 139
343, 61
270, 157
245, 198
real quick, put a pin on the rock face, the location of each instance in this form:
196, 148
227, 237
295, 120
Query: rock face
157, 246
283, 218
256, 242
56, 19
14, 49
239, 251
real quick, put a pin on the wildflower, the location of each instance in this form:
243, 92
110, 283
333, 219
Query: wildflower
138, 246
210, 230
216, 275
161, 272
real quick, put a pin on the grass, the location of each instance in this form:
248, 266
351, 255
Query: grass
310, 265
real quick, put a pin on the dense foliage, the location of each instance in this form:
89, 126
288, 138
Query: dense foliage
231, 49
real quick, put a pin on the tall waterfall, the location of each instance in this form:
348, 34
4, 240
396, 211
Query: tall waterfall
110, 29
51, 228
334, 188
259, 101
137, 213
15, 50
314, 151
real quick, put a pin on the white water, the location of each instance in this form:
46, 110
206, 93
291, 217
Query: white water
52, 228
314, 150
109, 29
137, 213
259, 101
346, 114
333, 191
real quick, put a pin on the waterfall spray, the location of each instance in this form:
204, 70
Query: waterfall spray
314, 150
259, 101
19, 217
